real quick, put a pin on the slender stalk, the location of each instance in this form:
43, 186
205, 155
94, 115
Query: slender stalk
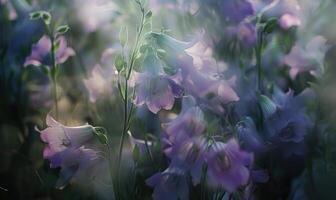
54, 73
127, 113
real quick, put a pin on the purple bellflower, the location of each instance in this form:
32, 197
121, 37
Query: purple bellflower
40, 54
65, 148
287, 127
102, 76
154, 88
228, 165
308, 59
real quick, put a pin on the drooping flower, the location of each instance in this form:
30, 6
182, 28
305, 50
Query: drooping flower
154, 88
308, 59
188, 124
65, 148
213, 92
287, 127
170, 184
228, 165
40, 53
189, 154
205, 83
102, 75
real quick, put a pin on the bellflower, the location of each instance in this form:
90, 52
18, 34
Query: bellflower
188, 124
102, 75
308, 59
189, 154
154, 88
40, 53
170, 184
65, 148
287, 127
212, 91
228, 165
205, 83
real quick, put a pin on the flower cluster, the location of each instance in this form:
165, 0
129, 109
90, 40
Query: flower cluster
229, 104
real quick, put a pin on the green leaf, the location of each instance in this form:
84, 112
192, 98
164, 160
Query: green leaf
119, 62
35, 15
267, 106
123, 36
62, 29
148, 14
46, 17
101, 134
270, 25
45, 69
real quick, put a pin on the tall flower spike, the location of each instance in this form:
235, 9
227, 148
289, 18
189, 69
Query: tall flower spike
228, 165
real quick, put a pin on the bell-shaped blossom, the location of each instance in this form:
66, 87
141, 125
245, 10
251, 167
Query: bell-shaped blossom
189, 154
77, 163
212, 91
154, 88
308, 58
188, 124
287, 127
102, 75
59, 138
208, 86
228, 166
235, 10
40, 53
170, 184
157, 92
65, 148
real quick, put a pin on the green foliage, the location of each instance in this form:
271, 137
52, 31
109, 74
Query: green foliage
123, 36
62, 29
44, 15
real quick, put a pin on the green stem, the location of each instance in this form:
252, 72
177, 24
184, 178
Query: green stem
127, 114
54, 73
